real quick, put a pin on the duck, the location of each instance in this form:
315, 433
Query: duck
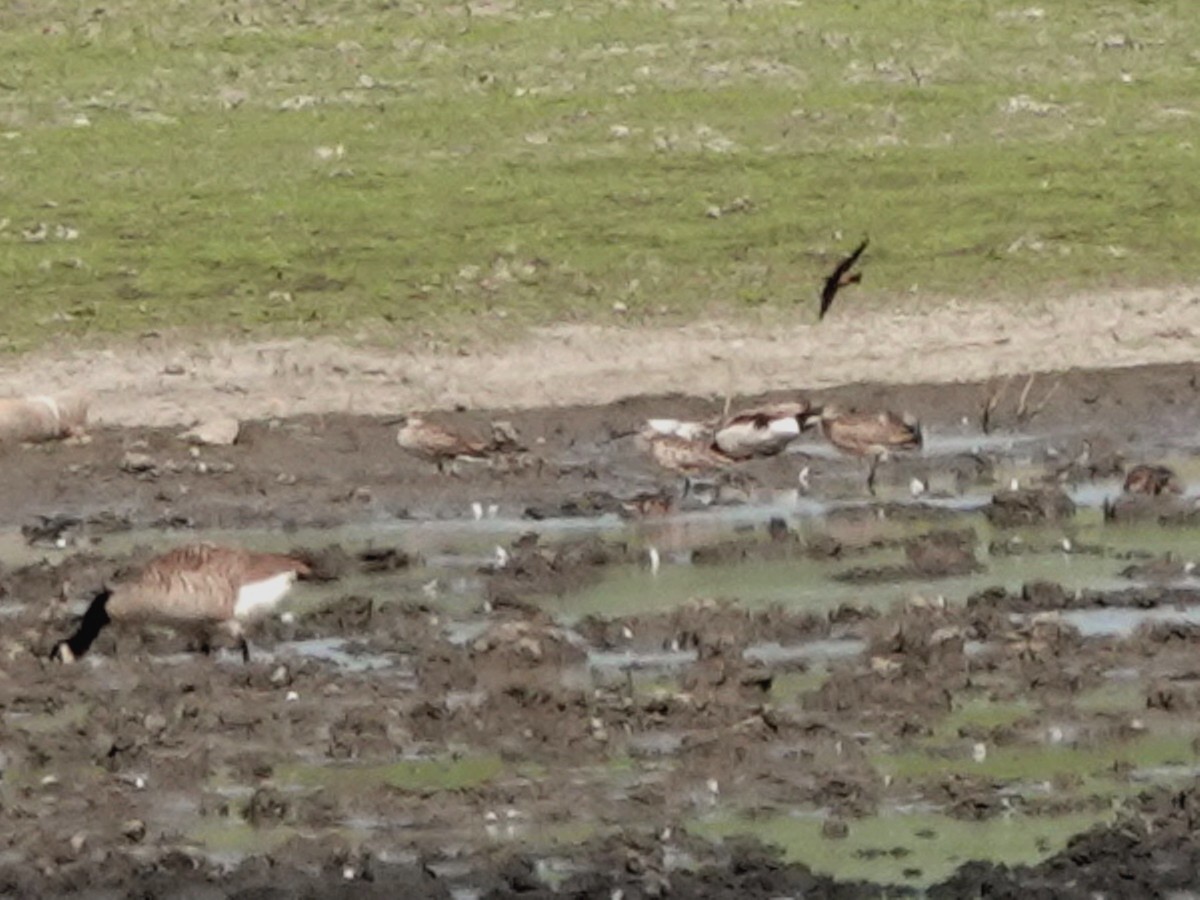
874, 435
1152, 481
437, 444
686, 456
200, 584
763, 431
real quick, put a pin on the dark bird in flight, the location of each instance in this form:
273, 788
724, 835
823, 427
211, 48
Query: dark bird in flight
840, 277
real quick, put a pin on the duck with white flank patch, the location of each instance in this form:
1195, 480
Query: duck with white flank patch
875, 435
763, 431
1152, 481
197, 585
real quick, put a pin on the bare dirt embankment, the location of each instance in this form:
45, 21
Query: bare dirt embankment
163, 380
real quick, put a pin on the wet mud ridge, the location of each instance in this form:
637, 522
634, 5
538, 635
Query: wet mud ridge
571, 675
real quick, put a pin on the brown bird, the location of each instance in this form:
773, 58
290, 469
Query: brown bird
686, 457
870, 434
647, 504
198, 586
437, 444
763, 431
1152, 481
839, 278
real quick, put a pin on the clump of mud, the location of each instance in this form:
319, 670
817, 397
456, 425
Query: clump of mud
1029, 506
1152, 850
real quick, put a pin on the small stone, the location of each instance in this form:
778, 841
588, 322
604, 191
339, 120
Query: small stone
280, 675
154, 722
78, 842
134, 830
137, 463
216, 432
835, 829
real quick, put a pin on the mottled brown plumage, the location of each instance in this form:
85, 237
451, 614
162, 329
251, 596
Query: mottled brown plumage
437, 444
1152, 481
875, 435
686, 457
196, 584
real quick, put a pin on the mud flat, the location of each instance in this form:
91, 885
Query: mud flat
500, 683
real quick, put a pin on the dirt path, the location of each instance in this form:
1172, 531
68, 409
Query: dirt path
159, 381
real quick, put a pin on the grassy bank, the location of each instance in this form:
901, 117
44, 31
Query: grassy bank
307, 166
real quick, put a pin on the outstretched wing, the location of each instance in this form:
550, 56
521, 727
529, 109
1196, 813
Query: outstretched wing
834, 281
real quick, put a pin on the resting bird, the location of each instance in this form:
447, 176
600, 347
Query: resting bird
763, 431
839, 278
437, 444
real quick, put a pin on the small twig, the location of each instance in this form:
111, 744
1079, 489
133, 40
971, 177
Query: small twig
991, 403
1046, 399
1021, 404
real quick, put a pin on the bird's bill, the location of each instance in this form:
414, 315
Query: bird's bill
62, 653
810, 419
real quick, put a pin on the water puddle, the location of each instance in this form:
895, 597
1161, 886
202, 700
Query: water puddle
1122, 622
332, 650
914, 849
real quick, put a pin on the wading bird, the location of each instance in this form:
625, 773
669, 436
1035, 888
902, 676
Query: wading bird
840, 277
1152, 481
875, 435
197, 586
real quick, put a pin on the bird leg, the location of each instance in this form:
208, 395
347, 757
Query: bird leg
871, 474
234, 628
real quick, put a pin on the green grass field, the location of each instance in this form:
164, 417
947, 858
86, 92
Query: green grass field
389, 166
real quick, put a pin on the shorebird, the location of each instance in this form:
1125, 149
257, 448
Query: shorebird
763, 431
437, 444
839, 278
197, 585
1152, 481
870, 434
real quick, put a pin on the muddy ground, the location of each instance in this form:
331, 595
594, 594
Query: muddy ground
323, 470
396, 735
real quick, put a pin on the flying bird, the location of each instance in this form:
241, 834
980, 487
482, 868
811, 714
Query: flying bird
840, 277
194, 586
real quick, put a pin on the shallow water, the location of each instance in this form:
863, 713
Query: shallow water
890, 847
